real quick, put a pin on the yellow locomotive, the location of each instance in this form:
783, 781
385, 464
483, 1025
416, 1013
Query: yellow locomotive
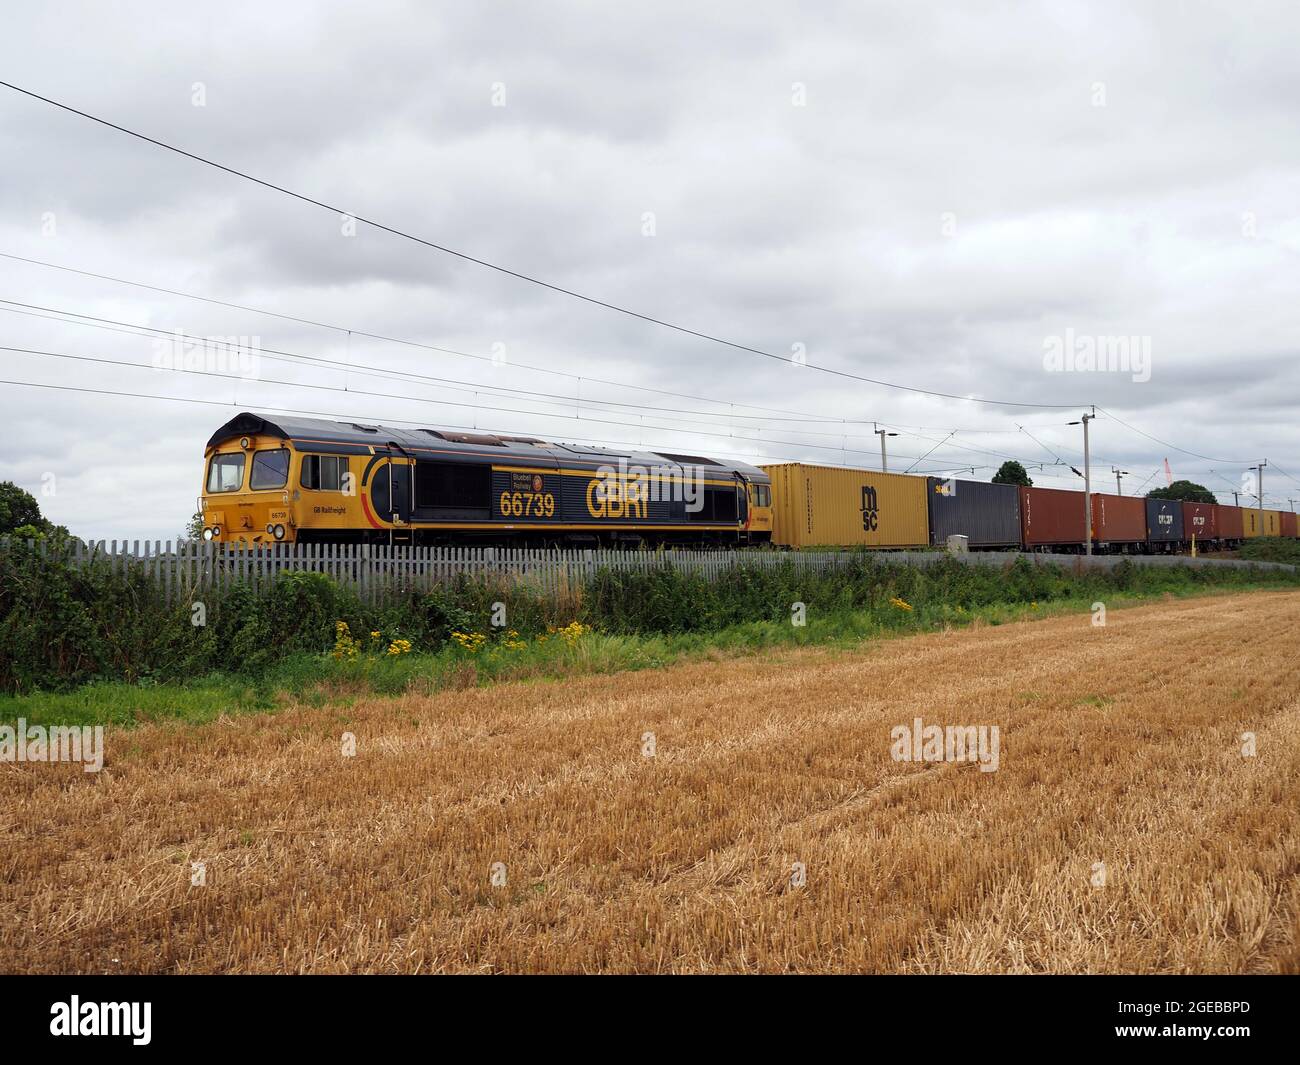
294, 480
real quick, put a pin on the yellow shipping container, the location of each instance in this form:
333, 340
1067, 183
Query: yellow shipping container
823, 506
1250, 523
1272, 523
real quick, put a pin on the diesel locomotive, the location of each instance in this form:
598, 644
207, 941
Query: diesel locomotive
271, 479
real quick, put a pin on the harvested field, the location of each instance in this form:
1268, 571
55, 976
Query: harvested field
1119, 745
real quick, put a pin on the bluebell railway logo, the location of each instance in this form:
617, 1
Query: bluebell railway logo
870, 509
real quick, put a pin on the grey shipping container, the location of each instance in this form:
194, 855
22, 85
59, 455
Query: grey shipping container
1164, 520
989, 514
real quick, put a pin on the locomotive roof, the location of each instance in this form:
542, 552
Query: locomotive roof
471, 442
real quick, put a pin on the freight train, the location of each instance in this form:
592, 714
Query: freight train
295, 480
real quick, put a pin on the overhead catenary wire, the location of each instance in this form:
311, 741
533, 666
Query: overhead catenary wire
413, 399
352, 366
352, 331
701, 334
602, 442
519, 275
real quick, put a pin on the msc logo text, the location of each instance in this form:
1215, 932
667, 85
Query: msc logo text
870, 509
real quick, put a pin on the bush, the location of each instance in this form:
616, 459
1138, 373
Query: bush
62, 625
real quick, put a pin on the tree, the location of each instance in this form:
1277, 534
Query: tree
18, 508
1188, 491
1011, 472
194, 527
20, 516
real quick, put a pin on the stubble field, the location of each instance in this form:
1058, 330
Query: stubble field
1124, 830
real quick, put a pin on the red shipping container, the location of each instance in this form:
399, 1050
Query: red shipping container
1201, 520
1228, 522
1289, 523
1051, 516
1117, 519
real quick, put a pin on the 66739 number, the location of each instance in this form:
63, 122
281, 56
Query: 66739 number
527, 505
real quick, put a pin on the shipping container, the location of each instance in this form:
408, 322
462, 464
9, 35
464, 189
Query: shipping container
1272, 523
1289, 524
1118, 519
827, 506
1200, 520
988, 515
1250, 523
1050, 517
1228, 519
1164, 521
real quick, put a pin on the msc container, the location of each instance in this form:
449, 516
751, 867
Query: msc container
1051, 516
1118, 519
1289, 524
988, 515
1228, 519
1201, 520
826, 506
1272, 523
1250, 523
1164, 521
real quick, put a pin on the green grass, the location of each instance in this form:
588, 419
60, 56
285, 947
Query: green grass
320, 680
1270, 549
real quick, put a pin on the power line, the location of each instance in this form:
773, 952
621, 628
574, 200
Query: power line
348, 417
366, 369
700, 334
299, 359
417, 344
419, 399
1165, 443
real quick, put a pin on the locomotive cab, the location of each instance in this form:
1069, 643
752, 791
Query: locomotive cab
246, 491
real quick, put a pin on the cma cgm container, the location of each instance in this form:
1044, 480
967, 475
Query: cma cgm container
987, 514
1272, 523
1118, 519
1289, 524
1229, 522
1250, 523
1051, 517
1201, 520
824, 506
1164, 521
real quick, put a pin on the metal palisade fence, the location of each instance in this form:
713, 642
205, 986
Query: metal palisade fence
381, 572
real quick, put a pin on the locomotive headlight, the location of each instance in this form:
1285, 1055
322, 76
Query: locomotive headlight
207, 534
270, 530
278, 532
216, 531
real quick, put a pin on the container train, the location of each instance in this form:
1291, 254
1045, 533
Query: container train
294, 480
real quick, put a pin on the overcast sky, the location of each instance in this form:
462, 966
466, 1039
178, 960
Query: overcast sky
936, 196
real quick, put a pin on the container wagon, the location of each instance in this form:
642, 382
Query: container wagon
1271, 523
1289, 524
1051, 517
1164, 524
827, 506
988, 515
1250, 523
1118, 522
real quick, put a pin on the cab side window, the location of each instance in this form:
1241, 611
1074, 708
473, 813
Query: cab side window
324, 473
762, 495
